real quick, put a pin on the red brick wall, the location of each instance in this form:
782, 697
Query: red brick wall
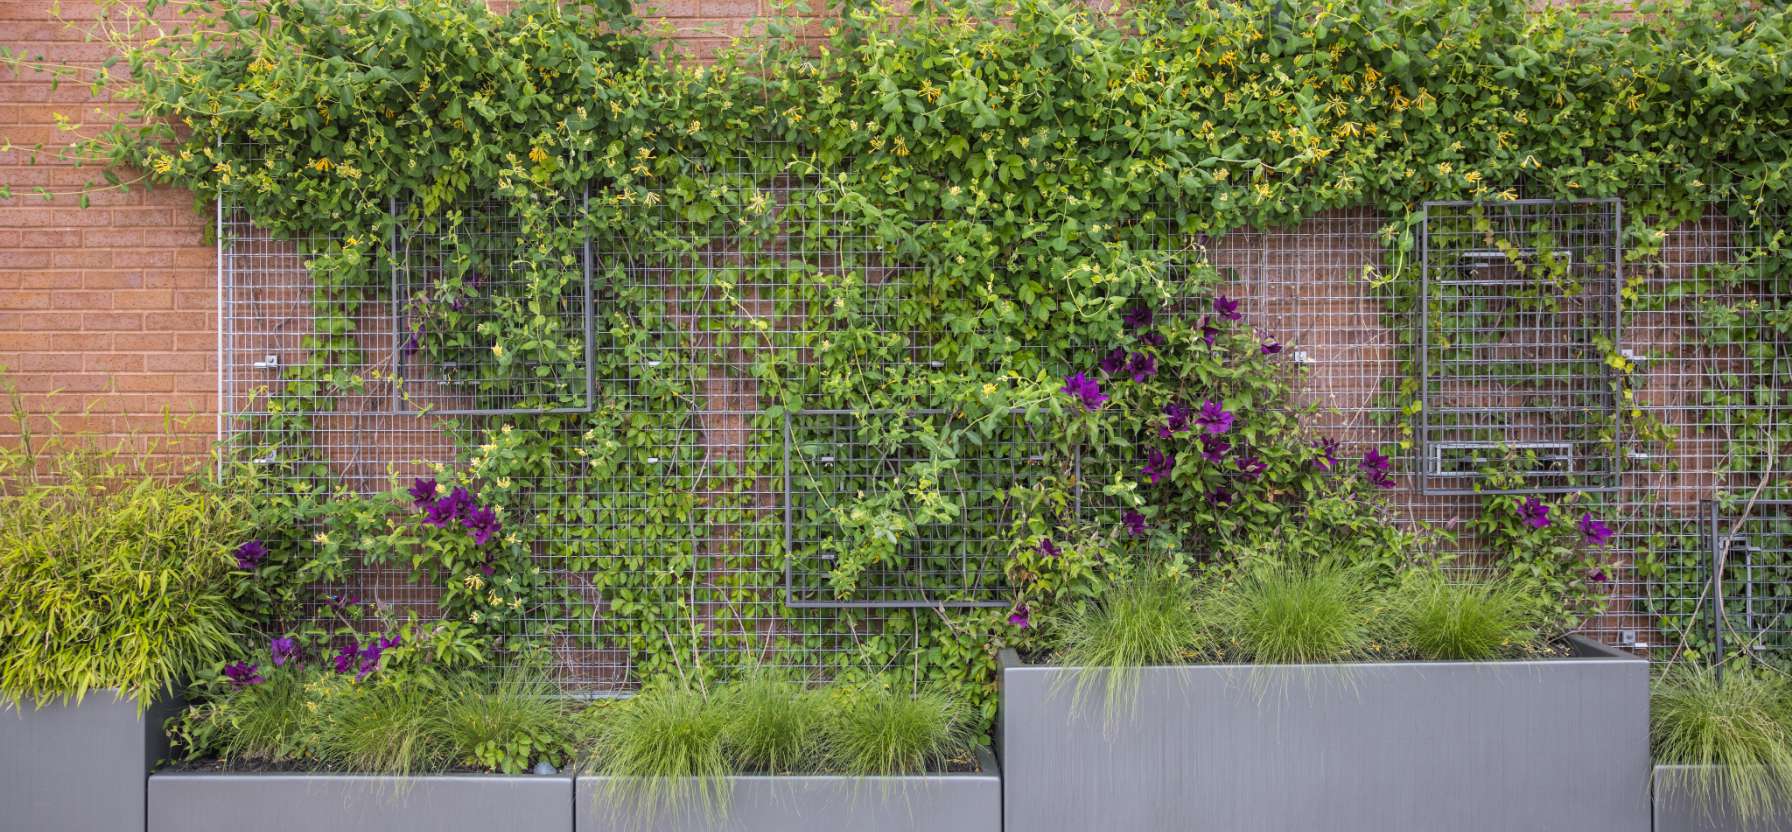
108, 314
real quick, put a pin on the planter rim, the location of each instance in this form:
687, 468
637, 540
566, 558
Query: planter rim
107, 695
1674, 768
1591, 652
351, 776
987, 769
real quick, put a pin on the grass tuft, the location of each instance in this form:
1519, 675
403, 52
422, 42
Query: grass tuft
506, 725
877, 731
381, 726
663, 749
773, 723
1478, 618
1141, 621
1282, 612
1737, 728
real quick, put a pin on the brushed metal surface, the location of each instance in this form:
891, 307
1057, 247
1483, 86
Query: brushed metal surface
1679, 807
67, 766
951, 802
233, 802
1553, 744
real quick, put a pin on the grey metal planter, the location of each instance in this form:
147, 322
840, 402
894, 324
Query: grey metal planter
302, 802
1559, 744
1680, 808
951, 802
78, 766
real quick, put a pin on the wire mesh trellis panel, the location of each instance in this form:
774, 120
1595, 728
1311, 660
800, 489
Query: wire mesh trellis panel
496, 319
904, 517
1326, 289
1518, 310
660, 509
1752, 549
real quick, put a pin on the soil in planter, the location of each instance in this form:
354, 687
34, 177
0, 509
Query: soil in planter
273, 767
960, 764
1554, 650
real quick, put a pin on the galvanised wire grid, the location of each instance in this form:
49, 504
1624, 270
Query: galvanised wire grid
460, 278
944, 557
1517, 309
1324, 289
704, 329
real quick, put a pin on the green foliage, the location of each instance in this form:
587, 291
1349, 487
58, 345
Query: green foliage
1736, 727
265, 723
664, 751
1554, 558
118, 577
774, 723
1431, 615
1034, 179
1281, 611
879, 730
406, 718
1143, 620
508, 724
385, 725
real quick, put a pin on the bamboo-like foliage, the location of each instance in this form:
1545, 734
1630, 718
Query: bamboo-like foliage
114, 577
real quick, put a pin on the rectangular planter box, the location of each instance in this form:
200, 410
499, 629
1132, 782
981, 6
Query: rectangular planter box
78, 766
950, 802
305, 802
1678, 808
1559, 744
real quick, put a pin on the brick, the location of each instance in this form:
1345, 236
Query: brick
112, 362
112, 320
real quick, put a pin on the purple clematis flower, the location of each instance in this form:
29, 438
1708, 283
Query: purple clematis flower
1375, 466
483, 523
1214, 448
1327, 460
283, 650
243, 674
1176, 415
1534, 512
1598, 576
1139, 317
1594, 532
1086, 390
1114, 362
1226, 308
1152, 338
1048, 548
415, 341
1251, 467
1141, 367
1158, 464
251, 554
1208, 331
423, 491
370, 655
345, 657
1270, 346
1134, 522
1220, 497
1021, 617
448, 509
1215, 419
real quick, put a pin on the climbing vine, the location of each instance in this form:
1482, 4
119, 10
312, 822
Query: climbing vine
926, 212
